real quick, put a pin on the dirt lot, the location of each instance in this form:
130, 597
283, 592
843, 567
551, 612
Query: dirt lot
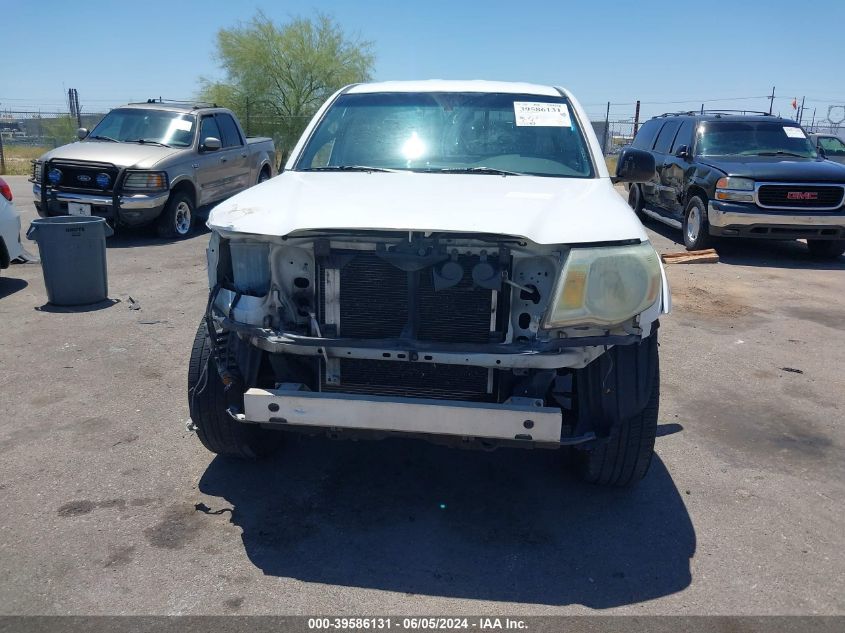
741, 513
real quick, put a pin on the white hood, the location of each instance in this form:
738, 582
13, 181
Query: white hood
542, 210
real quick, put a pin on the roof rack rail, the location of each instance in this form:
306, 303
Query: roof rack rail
694, 112
192, 104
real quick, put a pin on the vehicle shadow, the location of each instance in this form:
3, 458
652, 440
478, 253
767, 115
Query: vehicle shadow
10, 285
406, 516
146, 235
747, 252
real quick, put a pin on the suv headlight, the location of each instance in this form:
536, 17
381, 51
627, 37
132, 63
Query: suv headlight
36, 171
736, 189
140, 181
605, 285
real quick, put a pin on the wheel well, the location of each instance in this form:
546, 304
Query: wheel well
695, 190
187, 187
266, 169
5, 261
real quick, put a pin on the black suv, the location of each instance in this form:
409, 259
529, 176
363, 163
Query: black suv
740, 175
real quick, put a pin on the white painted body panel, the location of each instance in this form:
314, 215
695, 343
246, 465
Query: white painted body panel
10, 228
542, 210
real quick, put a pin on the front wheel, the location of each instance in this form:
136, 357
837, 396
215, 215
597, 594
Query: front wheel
695, 226
208, 404
636, 202
623, 458
178, 216
826, 249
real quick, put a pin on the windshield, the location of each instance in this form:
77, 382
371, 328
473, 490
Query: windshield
142, 125
447, 132
753, 138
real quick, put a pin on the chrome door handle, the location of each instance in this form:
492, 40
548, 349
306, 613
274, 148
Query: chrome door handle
223, 159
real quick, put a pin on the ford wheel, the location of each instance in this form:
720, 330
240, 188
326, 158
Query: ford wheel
177, 218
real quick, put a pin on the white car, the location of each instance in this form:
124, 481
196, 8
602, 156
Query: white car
439, 259
10, 228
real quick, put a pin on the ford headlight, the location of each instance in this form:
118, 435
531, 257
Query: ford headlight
143, 181
736, 189
605, 285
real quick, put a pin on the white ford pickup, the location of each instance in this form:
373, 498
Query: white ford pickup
439, 259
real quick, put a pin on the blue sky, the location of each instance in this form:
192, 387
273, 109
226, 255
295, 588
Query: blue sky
658, 52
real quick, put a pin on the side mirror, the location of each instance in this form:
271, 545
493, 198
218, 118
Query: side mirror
210, 144
683, 152
634, 165
81, 133
821, 151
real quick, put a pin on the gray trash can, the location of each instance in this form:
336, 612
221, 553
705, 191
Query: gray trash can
73, 258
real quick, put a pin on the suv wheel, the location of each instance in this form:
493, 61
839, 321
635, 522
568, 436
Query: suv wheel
636, 202
826, 249
695, 226
178, 216
208, 404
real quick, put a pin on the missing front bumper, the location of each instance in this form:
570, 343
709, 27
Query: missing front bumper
518, 419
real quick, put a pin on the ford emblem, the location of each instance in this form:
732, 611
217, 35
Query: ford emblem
83, 178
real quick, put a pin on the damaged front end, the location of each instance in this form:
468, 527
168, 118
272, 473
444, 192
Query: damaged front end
473, 339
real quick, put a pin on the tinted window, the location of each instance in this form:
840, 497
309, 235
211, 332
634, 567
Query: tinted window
645, 137
450, 132
684, 136
231, 135
208, 127
666, 136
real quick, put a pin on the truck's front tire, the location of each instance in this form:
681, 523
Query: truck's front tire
208, 403
695, 226
177, 218
623, 458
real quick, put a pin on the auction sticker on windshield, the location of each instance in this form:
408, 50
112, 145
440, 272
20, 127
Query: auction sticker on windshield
794, 132
536, 114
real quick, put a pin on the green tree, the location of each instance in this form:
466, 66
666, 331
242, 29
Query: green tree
277, 76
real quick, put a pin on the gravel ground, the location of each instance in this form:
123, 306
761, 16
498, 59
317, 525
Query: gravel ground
100, 483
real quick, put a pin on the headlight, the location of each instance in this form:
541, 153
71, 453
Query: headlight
145, 181
735, 189
36, 171
605, 285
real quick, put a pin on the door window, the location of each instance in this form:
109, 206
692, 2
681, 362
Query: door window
832, 146
208, 127
666, 136
645, 137
684, 136
231, 135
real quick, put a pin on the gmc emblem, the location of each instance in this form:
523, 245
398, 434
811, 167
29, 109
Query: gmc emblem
802, 195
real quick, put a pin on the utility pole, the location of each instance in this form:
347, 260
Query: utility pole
637, 118
801, 111
771, 100
606, 126
73, 105
813, 122
2, 156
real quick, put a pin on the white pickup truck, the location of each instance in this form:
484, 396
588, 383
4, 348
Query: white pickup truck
440, 259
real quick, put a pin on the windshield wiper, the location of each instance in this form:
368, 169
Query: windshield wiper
350, 168
145, 141
492, 171
781, 153
105, 138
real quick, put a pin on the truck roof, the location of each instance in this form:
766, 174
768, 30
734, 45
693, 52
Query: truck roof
174, 106
444, 85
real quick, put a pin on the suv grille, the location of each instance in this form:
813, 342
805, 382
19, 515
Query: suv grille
82, 177
800, 196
